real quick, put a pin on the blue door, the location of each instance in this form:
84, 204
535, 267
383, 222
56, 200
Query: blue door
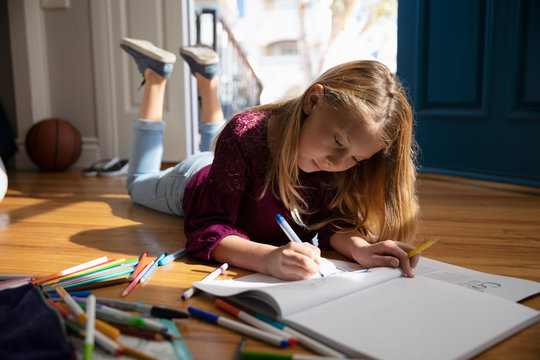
472, 69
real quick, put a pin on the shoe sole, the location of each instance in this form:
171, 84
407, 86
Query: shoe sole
201, 55
150, 50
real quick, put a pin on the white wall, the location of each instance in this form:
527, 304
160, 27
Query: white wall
66, 64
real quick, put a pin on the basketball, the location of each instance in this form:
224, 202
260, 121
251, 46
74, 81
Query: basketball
53, 144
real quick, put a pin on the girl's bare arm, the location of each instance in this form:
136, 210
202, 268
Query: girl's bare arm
288, 262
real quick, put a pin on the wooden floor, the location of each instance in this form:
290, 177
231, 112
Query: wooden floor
52, 221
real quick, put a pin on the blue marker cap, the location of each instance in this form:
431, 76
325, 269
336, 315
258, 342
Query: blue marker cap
280, 218
175, 255
203, 315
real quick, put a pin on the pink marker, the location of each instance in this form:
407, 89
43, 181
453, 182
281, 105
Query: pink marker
214, 274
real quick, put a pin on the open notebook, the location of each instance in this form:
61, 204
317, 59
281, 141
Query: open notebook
380, 314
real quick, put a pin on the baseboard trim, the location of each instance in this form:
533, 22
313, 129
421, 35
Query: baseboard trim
90, 152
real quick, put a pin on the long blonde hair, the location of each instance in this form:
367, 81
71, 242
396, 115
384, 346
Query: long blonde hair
377, 196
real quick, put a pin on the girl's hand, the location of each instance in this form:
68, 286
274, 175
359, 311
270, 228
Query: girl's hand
293, 261
386, 253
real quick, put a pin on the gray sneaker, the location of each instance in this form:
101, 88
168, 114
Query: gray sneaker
147, 55
201, 59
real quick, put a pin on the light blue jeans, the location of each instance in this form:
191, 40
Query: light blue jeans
146, 183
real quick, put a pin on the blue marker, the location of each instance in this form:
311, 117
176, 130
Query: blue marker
171, 257
79, 294
287, 229
270, 338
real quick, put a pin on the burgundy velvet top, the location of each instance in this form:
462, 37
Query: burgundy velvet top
222, 199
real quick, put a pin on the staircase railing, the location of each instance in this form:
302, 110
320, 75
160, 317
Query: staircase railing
239, 87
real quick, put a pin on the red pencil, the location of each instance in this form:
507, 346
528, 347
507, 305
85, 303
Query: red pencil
136, 280
139, 265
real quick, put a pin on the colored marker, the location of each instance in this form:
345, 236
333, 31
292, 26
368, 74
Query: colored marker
80, 294
287, 229
90, 327
110, 314
71, 270
103, 341
157, 311
303, 339
423, 247
152, 268
253, 321
214, 274
269, 338
73, 306
136, 280
81, 316
171, 257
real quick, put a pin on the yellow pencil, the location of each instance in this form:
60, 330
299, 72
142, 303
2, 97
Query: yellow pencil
136, 353
423, 247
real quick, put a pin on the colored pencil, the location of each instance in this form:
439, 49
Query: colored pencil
423, 247
152, 268
136, 353
98, 274
135, 281
140, 264
92, 270
15, 282
122, 272
71, 270
100, 284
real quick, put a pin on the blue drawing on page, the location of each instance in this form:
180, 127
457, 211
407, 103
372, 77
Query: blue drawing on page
329, 268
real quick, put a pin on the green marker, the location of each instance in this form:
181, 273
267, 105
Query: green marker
90, 327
